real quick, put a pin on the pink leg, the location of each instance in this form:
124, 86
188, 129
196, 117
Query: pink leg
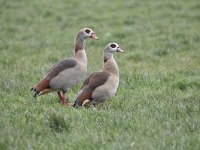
62, 98
59, 94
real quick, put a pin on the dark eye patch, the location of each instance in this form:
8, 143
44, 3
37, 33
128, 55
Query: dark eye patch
87, 31
113, 45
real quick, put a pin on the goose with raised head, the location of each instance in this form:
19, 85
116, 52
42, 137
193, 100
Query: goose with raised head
67, 72
100, 86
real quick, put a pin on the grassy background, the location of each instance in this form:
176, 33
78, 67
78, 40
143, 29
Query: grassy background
157, 105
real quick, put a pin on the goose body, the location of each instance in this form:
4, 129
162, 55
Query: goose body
70, 75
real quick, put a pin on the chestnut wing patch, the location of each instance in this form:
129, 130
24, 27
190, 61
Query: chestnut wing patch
55, 70
98, 79
90, 84
59, 67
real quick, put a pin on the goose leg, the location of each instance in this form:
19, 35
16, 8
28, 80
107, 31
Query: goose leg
63, 99
59, 94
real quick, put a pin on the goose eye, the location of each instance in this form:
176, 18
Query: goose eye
87, 31
113, 45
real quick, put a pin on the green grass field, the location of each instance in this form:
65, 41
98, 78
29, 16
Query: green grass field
157, 105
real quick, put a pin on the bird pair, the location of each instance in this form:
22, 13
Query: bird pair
96, 88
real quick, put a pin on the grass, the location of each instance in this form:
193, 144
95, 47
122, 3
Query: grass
157, 105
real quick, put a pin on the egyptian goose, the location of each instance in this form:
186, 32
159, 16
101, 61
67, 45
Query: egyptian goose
100, 86
67, 72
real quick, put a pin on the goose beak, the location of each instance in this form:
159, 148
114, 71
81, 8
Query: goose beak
93, 36
120, 50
